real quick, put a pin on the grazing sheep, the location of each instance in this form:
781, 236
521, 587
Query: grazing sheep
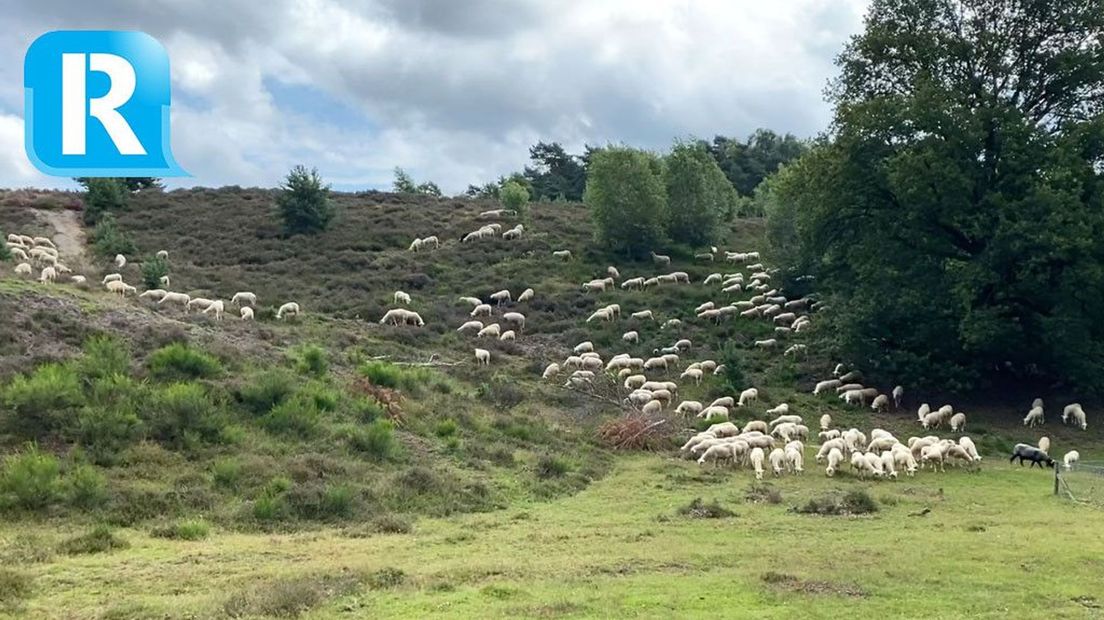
824, 386
717, 452
861, 465
501, 297
932, 420
515, 318
661, 259
1035, 416
155, 294
769, 343
218, 306
747, 396
584, 347
251, 299
637, 283
713, 411
23, 269
415, 245
1044, 444
120, 261
525, 296
246, 313
163, 254
958, 422
1038, 457
643, 314
79, 280
603, 314
474, 301
112, 277
481, 310
670, 323
835, 457
693, 373
393, 317
652, 407
756, 458
182, 298
289, 308
967, 444
18, 253
1077, 414
782, 409
163, 280
1070, 459
854, 375
631, 336
491, 330
564, 255
118, 287
881, 403
470, 325
688, 407
508, 335
825, 422
898, 395
889, 465
48, 274
550, 371
483, 357
777, 459
653, 363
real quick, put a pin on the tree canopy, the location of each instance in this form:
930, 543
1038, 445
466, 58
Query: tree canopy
953, 215
698, 194
405, 184
304, 202
626, 196
747, 163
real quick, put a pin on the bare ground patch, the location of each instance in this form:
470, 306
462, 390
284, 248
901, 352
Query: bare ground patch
791, 583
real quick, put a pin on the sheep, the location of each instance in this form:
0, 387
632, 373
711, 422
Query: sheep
501, 297
637, 283
603, 314
564, 255
824, 386
692, 373
881, 403
289, 308
958, 422
1035, 416
1070, 459
550, 371
861, 465
835, 457
1044, 444
246, 313
393, 317
415, 245
747, 396
713, 411
583, 347
508, 335
120, 261
18, 254
470, 325
652, 407
756, 458
854, 375
769, 343
23, 269
155, 294
112, 277
967, 444
924, 410
654, 363
491, 330
631, 336
514, 233
483, 357
119, 287
661, 259
1077, 413
825, 422
218, 306
79, 280
777, 459
898, 395
688, 407
782, 409
642, 315
717, 452
932, 420
1035, 455
670, 323
474, 301
182, 298
515, 318
525, 296
48, 274
481, 310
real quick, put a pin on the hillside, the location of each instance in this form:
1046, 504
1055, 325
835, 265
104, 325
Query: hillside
330, 429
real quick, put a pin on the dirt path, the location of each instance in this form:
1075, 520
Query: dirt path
68, 233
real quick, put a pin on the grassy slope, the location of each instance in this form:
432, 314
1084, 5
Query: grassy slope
994, 542
602, 552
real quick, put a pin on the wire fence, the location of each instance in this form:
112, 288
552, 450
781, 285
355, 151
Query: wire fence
1083, 483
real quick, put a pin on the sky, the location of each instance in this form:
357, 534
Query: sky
452, 91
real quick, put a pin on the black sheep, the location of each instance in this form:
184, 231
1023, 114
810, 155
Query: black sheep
1031, 453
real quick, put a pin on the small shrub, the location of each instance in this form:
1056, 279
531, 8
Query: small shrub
182, 413
697, 509
324, 398
858, 501
192, 529
99, 540
855, 501
85, 488
103, 196
297, 417
502, 392
40, 403
386, 578
549, 466
311, 360
104, 431
227, 473
281, 598
178, 361
103, 356
266, 390
445, 428
14, 588
764, 493
383, 374
304, 203
391, 524
108, 240
269, 507
30, 479
153, 269
5, 251
375, 440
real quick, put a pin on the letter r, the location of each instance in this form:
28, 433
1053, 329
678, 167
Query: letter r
104, 109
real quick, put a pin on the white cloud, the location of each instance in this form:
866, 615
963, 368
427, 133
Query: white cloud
456, 92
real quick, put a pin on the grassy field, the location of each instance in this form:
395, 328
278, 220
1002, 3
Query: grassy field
994, 543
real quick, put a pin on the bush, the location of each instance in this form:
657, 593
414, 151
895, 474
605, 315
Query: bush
103, 356
269, 507
178, 361
99, 540
375, 440
14, 588
391, 524
853, 502
30, 479
386, 578
108, 240
85, 488
181, 414
104, 431
698, 194
297, 417
192, 529
40, 403
153, 269
388, 375
227, 473
5, 252
102, 197
304, 203
324, 398
627, 200
266, 390
549, 466
445, 428
697, 509
514, 196
311, 360
763, 492
289, 597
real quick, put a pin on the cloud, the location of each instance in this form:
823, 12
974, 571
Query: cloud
455, 92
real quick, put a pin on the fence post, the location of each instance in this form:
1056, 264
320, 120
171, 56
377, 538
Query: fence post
1056, 478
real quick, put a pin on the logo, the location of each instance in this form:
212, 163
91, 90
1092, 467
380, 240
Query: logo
97, 104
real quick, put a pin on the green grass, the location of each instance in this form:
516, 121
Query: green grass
617, 549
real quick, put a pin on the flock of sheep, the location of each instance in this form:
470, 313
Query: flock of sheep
43, 251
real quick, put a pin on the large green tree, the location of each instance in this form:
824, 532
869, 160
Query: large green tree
746, 163
626, 196
953, 216
304, 202
555, 174
697, 194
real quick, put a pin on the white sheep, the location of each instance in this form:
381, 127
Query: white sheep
631, 336
470, 325
23, 269
218, 306
181, 298
795, 460
968, 445
652, 407
508, 335
163, 280
120, 261
643, 315
483, 357
401, 298
958, 422
769, 343
777, 460
112, 277
834, 457
550, 371
670, 323
289, 308
583, 347
724, 401
481, 310
824, 386
860, 464
163, 254
155, 294
515, 318
18, 254
717, 452
782, 409
246, 313
747, 396
898, 395
79, 280
491, 330
825, 422
637, 283
661, 259
692, 373
1044, 444
501, 297
526, 295
713, 411
564, 255
1070, 459
1077, 413
756, 458
474, 301
881, 403
1035, 416
688, 407
48, 274
120, 288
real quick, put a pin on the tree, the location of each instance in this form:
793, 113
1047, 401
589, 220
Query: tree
514, 196
697, 194
5, 252
153, 269
405, 184
953, 216
103, 195
555, 174
304, 202
132, 184
747, 163
627, 200
108, 240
